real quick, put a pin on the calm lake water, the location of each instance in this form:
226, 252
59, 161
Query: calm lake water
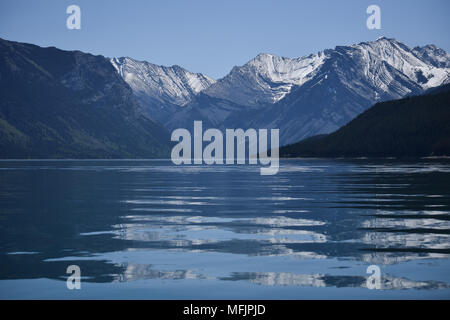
152, 230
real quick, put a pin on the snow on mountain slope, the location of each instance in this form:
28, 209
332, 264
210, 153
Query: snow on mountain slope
173, 85
319, 93
404, 59
433, 56
351, 79
265, 79
340, 91
302, 97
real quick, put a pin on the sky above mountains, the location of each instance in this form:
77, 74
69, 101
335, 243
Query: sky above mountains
213, 36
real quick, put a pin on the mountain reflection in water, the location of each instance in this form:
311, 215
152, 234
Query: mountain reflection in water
318, 223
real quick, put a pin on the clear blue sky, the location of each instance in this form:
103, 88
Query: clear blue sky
212, 36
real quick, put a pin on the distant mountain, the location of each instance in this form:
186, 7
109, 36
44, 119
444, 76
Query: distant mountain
265, 79
350, 80
268, 78
411, 127
58, 103
69, 104
303, 97
433, 56
161, 89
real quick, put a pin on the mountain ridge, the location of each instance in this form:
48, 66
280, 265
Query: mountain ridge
303, 97
309, 95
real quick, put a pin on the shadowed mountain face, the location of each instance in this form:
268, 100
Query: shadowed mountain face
58, 104
411, 127
303, 97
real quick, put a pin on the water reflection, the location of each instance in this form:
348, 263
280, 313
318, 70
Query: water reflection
312, 213
320, 280
134, 272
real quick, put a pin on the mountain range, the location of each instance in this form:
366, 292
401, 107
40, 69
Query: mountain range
57, 103
303, 97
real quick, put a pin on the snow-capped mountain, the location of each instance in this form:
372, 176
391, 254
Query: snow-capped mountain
265, 79
160, 89
351, 79
165, 84
302, 97
404, 59
268, 78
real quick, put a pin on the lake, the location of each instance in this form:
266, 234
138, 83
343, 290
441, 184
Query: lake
146, 229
